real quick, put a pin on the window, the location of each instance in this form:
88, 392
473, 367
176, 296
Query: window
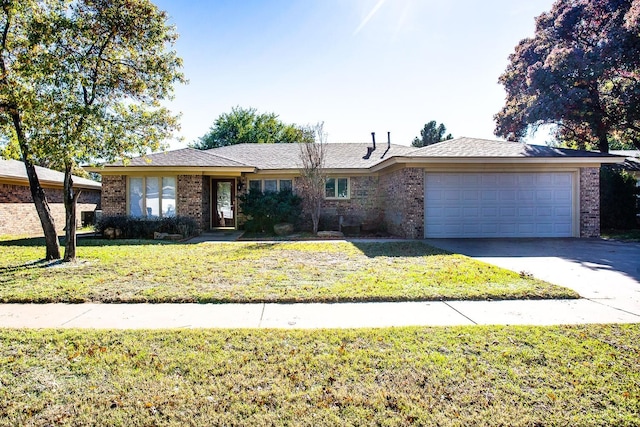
270, 184
152, 196
286, 184
255, 184
336, 188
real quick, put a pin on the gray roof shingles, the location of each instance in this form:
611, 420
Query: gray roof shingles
15, 169
475, 147
348, 155
183, 157
287, 156
632, 161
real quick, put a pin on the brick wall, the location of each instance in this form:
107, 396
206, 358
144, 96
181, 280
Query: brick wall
191, 197
206, 203
364, 204
18, 214
403, 202
114, 195
589, 202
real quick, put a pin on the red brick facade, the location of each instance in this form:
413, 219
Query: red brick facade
394, 201
193, 198
590, 202
403, 202
18, 214
363, 205
114, 195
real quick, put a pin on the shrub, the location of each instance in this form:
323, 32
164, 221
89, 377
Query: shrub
264, 210
143, 228
618, 198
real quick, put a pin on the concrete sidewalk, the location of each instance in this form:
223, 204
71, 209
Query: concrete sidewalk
345, 315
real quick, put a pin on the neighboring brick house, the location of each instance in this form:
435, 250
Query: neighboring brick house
17, 212
464, 187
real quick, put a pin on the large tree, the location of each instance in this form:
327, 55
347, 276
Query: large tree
83, 80
580, 72
431, 133
246, 125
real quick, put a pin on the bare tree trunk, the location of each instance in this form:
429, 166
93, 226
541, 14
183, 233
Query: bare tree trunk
315, 218
603, 141
37, 194
70, 203
312, 175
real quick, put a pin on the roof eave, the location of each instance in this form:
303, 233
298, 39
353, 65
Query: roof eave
199, 170
493, 160
14, 180
331, 171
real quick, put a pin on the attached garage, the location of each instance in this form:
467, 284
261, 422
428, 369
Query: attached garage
500, 204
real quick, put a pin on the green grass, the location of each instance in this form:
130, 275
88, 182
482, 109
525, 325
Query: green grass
516, 376
625, 235
142, 271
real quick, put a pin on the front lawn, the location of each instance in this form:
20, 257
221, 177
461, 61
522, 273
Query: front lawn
518, 376
139, 271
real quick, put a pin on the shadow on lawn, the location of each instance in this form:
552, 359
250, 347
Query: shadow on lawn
85, 240
32, 264
398, 249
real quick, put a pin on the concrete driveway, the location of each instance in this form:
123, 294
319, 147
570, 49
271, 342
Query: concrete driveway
607, 272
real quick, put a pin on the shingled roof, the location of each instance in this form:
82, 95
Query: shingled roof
15, 170
632, 161
353, 156
182, 157
287, 156
475, 147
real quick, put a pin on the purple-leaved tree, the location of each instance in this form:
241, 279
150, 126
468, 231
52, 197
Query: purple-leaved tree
581, 72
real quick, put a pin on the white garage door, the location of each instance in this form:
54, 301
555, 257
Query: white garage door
499, 204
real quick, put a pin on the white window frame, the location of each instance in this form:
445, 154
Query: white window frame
144, 194
278, 183
336, 196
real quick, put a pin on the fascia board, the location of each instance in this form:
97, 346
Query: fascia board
586, 161
125, 170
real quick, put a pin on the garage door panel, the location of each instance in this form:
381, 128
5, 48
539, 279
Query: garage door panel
562, 179
499, 204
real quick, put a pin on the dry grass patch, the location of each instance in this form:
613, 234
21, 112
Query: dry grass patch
259, 272
517, 376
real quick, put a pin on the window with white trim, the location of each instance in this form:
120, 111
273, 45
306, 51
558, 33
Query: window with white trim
336, 188
274, 185
152, 196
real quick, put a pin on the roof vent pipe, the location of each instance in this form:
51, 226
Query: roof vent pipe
388, 145
373, 137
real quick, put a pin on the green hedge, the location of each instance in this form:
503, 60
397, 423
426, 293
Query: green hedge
618, 198
143, 228
264, 210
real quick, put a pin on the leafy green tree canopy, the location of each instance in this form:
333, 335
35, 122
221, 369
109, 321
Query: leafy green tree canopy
431, 133
83, 80
580, 71
246, 125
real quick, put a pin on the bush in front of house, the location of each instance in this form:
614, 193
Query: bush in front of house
144, 228
264, 210
618, 198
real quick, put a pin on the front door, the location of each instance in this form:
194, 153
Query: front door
223, 201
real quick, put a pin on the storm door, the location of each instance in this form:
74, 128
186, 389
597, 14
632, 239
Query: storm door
223, 200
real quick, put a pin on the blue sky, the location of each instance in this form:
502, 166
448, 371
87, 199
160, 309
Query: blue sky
360, 66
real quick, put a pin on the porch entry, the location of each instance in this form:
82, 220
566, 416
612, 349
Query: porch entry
223, 200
